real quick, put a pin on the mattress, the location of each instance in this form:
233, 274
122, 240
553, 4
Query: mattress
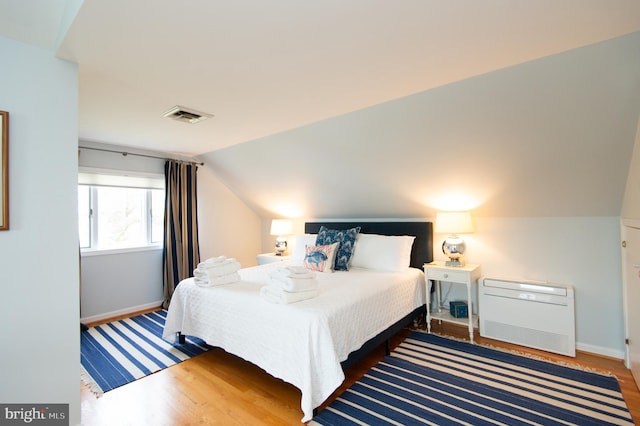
301, 343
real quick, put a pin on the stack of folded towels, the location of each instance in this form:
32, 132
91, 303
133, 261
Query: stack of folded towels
290, 284
216, 271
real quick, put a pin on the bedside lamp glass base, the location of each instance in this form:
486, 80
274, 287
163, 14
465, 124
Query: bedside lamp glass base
454, 247
281, 246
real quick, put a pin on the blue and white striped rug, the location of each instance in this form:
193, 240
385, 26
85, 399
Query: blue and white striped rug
433, 380
120, 352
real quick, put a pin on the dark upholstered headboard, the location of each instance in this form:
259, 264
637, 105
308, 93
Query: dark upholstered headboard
422, 251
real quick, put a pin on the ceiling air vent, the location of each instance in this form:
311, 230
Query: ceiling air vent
186, 115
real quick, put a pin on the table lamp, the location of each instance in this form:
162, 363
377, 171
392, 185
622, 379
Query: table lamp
281, 228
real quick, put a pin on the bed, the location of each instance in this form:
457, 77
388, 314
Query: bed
309, 343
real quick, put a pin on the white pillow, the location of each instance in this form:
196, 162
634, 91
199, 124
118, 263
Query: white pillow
382, 252
298, 245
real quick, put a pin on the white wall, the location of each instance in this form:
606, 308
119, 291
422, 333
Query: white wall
226, 225
39, 325
120, 283
580, 251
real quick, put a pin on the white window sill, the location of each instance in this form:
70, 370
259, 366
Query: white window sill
98, 252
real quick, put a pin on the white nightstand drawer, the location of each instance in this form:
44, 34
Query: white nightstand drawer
448, 275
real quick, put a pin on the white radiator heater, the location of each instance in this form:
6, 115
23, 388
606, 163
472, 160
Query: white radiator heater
529, 313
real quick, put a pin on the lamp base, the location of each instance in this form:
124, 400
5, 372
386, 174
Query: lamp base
456, 263
281, 246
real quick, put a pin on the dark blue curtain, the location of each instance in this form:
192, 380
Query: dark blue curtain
181, 249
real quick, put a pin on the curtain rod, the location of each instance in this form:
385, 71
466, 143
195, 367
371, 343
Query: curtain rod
124, 153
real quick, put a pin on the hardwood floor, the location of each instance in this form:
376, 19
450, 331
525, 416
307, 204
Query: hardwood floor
217, 388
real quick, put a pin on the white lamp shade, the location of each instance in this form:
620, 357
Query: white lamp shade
281, 227
454, 223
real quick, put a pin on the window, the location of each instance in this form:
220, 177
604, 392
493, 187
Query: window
120, 211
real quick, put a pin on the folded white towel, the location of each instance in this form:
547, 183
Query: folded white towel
201, 273
298, 271
293, 285
216, 281
277, 295
228, 266
216, 262
212, 261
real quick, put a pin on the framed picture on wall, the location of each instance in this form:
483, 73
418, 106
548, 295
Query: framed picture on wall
4, 171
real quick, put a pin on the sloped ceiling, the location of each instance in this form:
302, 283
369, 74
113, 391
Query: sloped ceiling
550, 137
263, 67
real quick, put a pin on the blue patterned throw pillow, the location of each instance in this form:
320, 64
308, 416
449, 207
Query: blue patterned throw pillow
346, 238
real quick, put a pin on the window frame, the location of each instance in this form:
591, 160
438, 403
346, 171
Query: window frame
138, 180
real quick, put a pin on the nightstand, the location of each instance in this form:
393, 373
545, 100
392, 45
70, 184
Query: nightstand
265, 258
467, 275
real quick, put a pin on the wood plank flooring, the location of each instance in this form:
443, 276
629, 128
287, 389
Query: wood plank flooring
217, 388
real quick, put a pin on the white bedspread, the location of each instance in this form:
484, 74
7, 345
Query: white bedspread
301, 343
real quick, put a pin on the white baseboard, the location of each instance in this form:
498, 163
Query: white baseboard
599, 350
119, 312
